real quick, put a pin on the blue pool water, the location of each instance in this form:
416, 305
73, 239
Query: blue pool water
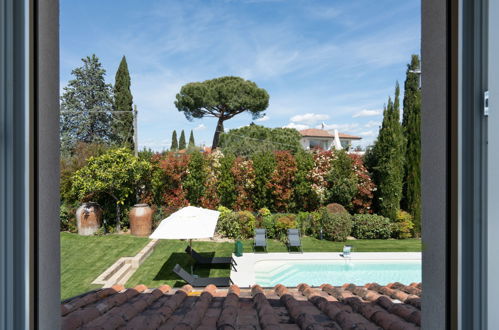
291, 273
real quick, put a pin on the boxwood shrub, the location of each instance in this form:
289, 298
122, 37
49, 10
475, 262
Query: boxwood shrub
371, 226
335, 226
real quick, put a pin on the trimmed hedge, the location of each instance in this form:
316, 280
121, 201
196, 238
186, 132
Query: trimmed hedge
371, 226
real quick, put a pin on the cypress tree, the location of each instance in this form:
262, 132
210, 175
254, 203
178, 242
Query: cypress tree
191, 140
388, 153
122, 126
174, 141
412, 130
181, 141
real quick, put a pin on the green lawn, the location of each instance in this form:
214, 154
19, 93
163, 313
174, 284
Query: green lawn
83, 258
157, 269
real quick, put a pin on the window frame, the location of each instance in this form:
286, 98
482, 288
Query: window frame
448, 28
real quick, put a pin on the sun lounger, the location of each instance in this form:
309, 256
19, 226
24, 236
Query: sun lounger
260, 239
209, 260
294, 240
201, 281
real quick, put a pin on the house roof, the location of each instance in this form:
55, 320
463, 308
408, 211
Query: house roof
394, 306
315, 132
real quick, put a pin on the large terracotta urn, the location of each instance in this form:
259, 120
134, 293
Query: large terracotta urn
140, 217
88, 218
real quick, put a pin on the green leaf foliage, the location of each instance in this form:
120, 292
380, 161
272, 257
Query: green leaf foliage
115, 173
335, 226
196, 178
226, 184
122, 122
264, 164
342, 182
305, 197
252, 139
371, 226
222, 98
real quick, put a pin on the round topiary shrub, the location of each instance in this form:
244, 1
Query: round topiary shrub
247, 222
336, 208
336, 226
371, 226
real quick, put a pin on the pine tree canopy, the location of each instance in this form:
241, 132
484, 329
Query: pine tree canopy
222, 98
181, 142
123, 129
174, 145
192, 143
86, 106
412, 131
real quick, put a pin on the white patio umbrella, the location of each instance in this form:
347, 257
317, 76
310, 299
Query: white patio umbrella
336, 141
188, 223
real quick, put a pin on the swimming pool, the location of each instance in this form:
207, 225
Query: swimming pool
269, 273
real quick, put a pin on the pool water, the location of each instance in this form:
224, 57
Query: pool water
269, 273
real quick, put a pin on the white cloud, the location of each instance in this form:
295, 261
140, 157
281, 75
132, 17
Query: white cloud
309, 118
372, 123
370, 133
367, 113
296, 126
341, 127
264, 118
199, 127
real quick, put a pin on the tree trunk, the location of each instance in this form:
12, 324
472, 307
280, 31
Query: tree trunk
118, 225
216, 137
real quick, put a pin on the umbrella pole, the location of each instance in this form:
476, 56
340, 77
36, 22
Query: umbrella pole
190, 245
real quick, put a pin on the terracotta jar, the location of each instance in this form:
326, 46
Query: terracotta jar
88, 218
140, 217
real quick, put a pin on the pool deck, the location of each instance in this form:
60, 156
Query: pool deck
245, 274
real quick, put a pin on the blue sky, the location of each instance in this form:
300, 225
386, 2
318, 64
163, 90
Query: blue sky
333, 61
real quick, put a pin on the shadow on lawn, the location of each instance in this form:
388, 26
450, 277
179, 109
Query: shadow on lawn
183, 259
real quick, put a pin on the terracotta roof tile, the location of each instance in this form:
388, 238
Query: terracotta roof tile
391, 307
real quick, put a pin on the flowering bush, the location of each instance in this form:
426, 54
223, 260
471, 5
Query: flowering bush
244, 182
317, 177
362, 201
174, 168
237, 225
371, 226
281, 183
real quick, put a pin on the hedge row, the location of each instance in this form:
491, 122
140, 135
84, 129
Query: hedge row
324, 224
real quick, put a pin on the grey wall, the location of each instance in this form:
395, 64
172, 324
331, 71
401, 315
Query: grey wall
434, 162
493, 169
48, 165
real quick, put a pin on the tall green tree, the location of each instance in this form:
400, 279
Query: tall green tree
388, 160
412, 130
226, 183
181, 141
192, 143
122, 124
86, 106
222, 98
174, 145
264, 164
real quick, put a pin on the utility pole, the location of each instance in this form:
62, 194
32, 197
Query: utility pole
135, 135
